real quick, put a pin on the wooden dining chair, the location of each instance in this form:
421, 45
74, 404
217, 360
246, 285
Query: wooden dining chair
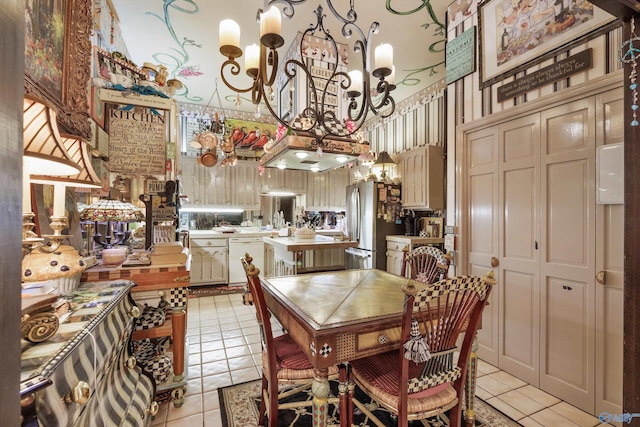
421, 379
426, 264
283, 361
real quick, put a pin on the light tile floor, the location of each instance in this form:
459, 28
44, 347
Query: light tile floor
224, 349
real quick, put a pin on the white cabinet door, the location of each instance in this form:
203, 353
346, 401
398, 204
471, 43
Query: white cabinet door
245, 185
217, 185
395, 256
209, 264
296, 180
338, 181
422, 171
317, 191
188, 176
273, 179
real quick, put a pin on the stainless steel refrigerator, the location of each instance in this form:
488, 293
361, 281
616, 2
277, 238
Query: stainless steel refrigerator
374, 211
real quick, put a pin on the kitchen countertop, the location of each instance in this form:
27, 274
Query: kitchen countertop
413, 240
243, 232
293, 244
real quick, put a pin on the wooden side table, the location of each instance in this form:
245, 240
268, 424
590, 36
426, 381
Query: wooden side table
173, 282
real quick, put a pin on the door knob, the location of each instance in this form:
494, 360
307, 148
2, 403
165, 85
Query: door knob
494, 262
600, 277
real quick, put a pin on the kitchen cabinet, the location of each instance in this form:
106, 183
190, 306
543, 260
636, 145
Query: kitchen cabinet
245, 185
269, 260
235, 186
209, 261
317, 191
395, 255
398, 244
290, 180
422, 171
188, 178
327, 191
203, 185
292, 255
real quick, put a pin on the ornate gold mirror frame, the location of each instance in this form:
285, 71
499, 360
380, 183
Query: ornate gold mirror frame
68, 96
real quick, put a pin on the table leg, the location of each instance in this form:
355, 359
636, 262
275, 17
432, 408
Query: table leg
342, 393
178, 326
470, 384
320, 389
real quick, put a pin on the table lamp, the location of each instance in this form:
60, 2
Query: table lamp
109, 210
44, 152
384, 159
87, 178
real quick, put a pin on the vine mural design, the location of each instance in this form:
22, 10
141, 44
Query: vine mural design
177, 58
439, 29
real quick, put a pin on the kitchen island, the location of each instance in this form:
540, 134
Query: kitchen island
293, 255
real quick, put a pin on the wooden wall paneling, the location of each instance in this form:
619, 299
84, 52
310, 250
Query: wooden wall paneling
410, 130
432, 126
399, 134
421, 126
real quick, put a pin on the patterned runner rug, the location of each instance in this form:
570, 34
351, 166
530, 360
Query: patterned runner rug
239, 408
213, 290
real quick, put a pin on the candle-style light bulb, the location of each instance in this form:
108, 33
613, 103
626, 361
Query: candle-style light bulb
355, 88
384, 60
252, 59
270, 28
229, 36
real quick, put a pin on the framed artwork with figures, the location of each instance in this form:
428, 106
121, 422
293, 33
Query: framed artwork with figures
57, 59
516, 34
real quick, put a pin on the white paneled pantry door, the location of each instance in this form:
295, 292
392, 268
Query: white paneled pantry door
526, 187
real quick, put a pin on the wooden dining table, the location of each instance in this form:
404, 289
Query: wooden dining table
340, 316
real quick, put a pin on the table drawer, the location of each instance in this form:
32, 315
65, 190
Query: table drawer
386, 338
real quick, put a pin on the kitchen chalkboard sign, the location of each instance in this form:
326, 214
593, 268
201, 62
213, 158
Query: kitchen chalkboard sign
137, 142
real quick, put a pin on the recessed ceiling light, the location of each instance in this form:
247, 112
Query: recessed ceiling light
302, 154
281, 165
314, 168
341, 159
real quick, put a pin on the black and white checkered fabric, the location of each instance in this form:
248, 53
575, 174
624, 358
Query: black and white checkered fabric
430, 250
151, 317
143, 350
160, 367
178, 297
437, 370
438, 289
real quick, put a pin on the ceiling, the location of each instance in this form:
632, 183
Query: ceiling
183, 36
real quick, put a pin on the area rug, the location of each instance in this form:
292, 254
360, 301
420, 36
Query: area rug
239, 408
213, 290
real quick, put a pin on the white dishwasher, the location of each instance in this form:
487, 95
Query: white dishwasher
238, 246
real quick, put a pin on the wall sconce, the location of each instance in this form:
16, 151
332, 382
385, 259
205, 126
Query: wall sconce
44, 151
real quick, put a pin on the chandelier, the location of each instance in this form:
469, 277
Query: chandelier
366, 91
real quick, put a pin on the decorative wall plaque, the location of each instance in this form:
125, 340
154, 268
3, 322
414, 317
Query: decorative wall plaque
137, 143
460, 56
560, 70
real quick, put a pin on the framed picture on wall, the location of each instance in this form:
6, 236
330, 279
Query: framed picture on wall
57, 59
516, 34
